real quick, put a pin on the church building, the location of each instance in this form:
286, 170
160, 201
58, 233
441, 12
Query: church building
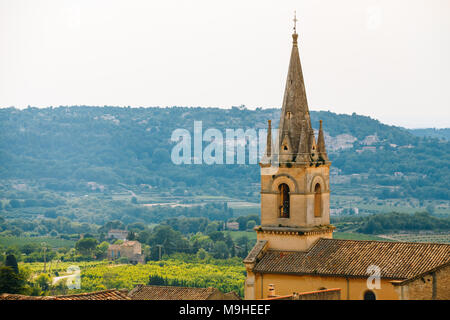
295, 251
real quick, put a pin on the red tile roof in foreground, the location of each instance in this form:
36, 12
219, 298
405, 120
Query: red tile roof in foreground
336, 257
11, 296
98, 295
142, 292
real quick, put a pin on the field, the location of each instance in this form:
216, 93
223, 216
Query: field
226, 275
358, 236
370, 204
241, 208
60, 267
251, 235
418, 237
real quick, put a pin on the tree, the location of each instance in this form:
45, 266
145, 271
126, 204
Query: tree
160, 156
216, 236
202, 254
43, 281
251, 224
10, 281
220, 250
100, 251
29, 248
11, 261
242, 242
156, 280
86, 246
131, 236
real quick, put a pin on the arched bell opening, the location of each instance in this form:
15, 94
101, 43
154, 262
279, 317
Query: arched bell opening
317, 200
283, 200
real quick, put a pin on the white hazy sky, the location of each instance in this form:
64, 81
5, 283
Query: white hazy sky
389, 59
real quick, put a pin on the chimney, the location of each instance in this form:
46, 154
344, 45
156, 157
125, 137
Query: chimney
271, 291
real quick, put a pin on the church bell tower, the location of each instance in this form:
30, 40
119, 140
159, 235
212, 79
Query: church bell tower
295, 184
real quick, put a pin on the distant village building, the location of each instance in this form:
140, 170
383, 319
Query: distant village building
370, 140
117, 234
143, 292
129, 249
295, 251
336, 211
233, 225
372, 149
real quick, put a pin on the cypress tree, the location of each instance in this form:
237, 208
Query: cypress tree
12, 262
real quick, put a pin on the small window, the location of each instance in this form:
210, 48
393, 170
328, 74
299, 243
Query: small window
369, 295
317, 200
284, 201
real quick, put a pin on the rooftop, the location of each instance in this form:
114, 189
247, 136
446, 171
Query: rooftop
147, 292
336, 257
112, 294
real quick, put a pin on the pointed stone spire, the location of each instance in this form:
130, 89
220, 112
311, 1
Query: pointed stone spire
295, 112
321, 144
303, 152
269, 140
286, 154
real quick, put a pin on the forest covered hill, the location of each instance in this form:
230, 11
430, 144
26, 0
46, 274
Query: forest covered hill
443, 133
78, 148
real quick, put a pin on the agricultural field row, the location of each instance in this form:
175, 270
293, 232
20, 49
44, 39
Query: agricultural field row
411, 237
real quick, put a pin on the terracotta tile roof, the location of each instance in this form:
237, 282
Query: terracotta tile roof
11, 296
98, 295
256, 251
420, 275
130, 243
231, 296
335, 257
112, 294
142, 292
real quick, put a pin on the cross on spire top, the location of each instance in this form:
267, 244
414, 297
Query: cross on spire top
295, 21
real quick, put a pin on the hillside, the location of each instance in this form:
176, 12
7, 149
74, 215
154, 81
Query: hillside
52, 159
68, 171
65, 147
432, 132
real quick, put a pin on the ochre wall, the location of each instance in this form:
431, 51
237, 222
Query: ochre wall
301, 183
443, 283
291, 242
353, 289
422, 287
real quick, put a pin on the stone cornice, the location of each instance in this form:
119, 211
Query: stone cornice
294, 193
296, 165
303, 231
